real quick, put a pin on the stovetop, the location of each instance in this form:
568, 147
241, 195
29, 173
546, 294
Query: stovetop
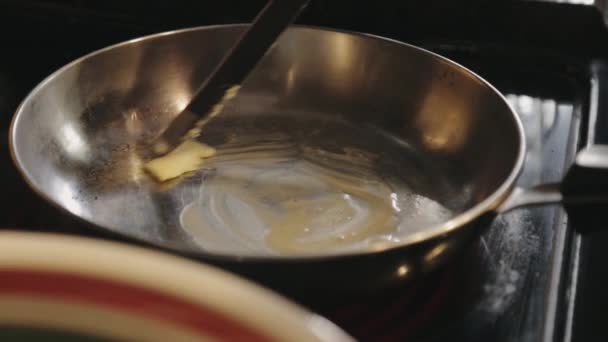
530, 277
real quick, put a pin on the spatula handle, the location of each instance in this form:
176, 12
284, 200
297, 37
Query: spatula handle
234, 67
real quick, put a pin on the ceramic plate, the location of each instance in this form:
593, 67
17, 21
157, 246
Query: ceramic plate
57, 287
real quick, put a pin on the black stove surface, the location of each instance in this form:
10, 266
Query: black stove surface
519, 281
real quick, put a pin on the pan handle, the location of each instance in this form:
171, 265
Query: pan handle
584, 190
528, 197
587, 179
585, 185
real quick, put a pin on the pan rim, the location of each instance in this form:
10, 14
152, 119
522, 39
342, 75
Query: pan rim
462, 219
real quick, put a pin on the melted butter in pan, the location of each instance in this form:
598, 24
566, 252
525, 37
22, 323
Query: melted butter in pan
285, 199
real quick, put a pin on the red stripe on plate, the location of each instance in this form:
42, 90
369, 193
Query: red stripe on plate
132, 299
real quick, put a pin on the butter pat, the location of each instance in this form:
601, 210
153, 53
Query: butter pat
186, 157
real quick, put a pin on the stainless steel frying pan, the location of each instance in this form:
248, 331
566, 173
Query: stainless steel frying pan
77, 139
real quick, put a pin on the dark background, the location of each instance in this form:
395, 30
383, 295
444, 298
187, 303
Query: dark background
37, 37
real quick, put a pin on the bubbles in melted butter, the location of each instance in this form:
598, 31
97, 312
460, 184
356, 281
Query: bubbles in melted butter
279, 197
